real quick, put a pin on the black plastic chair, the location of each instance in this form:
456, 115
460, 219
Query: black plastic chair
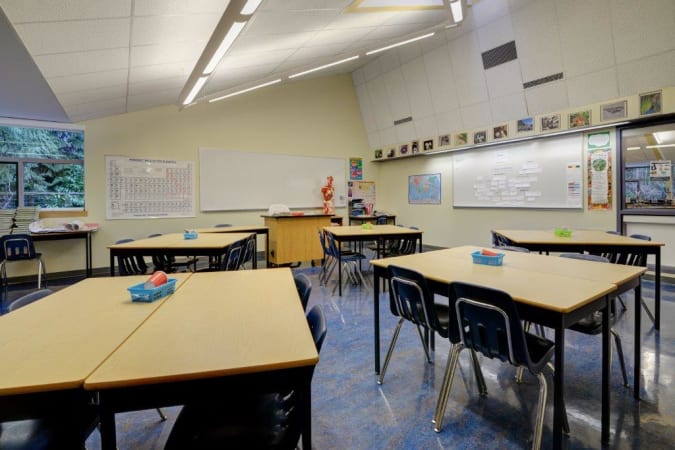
488, 322
27, 299
169, 263
243, 420
304, 286
19, 247
130, 265
350, 262
592, 324
411, 300
250, 248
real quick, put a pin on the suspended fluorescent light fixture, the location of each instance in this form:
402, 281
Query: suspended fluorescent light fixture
456, 10
660, 146
250, 7
223, 97
231, 24
195, 90
325, 66
398, 44
224, 46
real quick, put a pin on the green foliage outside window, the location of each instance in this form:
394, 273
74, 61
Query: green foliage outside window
48, 162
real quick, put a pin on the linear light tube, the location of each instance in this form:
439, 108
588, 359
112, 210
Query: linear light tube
250, 7
269, 83
634, 148
224, 46
456, 9
660, 146
372, 52
199, 84
325, 66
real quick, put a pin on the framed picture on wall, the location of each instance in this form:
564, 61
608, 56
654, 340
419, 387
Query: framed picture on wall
461, 138
428, 144
650, 103
613, 111
480, 137
378, 153
580, 119
391, 152
414, 147
500, 132
403, 149
443, 140
550, 122
525, 125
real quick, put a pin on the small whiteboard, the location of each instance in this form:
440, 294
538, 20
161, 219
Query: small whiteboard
542, 173
140, 188
235, 180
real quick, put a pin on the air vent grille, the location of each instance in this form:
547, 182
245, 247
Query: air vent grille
543, 80
499, 55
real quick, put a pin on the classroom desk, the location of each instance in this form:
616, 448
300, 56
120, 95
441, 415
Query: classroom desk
85, 235
257, 229
222, 331
50, 347
555, 298
378, 233
174, 244
592, 241
391, 219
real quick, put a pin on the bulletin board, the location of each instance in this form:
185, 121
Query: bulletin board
237, 180
139, 188
542, 173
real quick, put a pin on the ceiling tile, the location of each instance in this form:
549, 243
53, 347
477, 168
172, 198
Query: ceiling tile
165, 29
144, 55
58, 65
74, 36
87, 81
26, 11
178, 7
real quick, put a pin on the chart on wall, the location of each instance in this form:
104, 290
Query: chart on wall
543, 173
139, 188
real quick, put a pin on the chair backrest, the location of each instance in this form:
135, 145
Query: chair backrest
130, 265
634, 258
233, 259
28, 299
324, 243
381, 220
316, 320
411, 299
14, 247
498, 240
304, 286
250, 247
488, 322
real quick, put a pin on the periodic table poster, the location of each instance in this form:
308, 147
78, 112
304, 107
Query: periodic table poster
139, 188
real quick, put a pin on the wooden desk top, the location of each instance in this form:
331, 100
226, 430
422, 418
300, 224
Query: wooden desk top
177, 241
588, 270
549, 291
219, 323
234, 229
577, 237
56, 342
376, 230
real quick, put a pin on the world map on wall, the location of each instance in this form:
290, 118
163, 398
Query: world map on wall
424, 189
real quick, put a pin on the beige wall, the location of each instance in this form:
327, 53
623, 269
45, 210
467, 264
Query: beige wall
314, 117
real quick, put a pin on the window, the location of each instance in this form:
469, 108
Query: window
41, 167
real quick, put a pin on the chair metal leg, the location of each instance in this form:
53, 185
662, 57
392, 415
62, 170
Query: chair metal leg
541, 406
390, 351
619, 351
478, 373
424, 344
446, 386
623, 305
161, 414
646, 308
565, 424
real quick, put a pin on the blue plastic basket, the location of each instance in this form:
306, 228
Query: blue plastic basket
140, 294
190, 235
487, 260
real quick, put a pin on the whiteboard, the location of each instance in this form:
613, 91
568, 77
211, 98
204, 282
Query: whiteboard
542, 173
235, 180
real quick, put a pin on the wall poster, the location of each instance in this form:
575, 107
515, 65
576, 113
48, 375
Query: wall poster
599, 171
140, 188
